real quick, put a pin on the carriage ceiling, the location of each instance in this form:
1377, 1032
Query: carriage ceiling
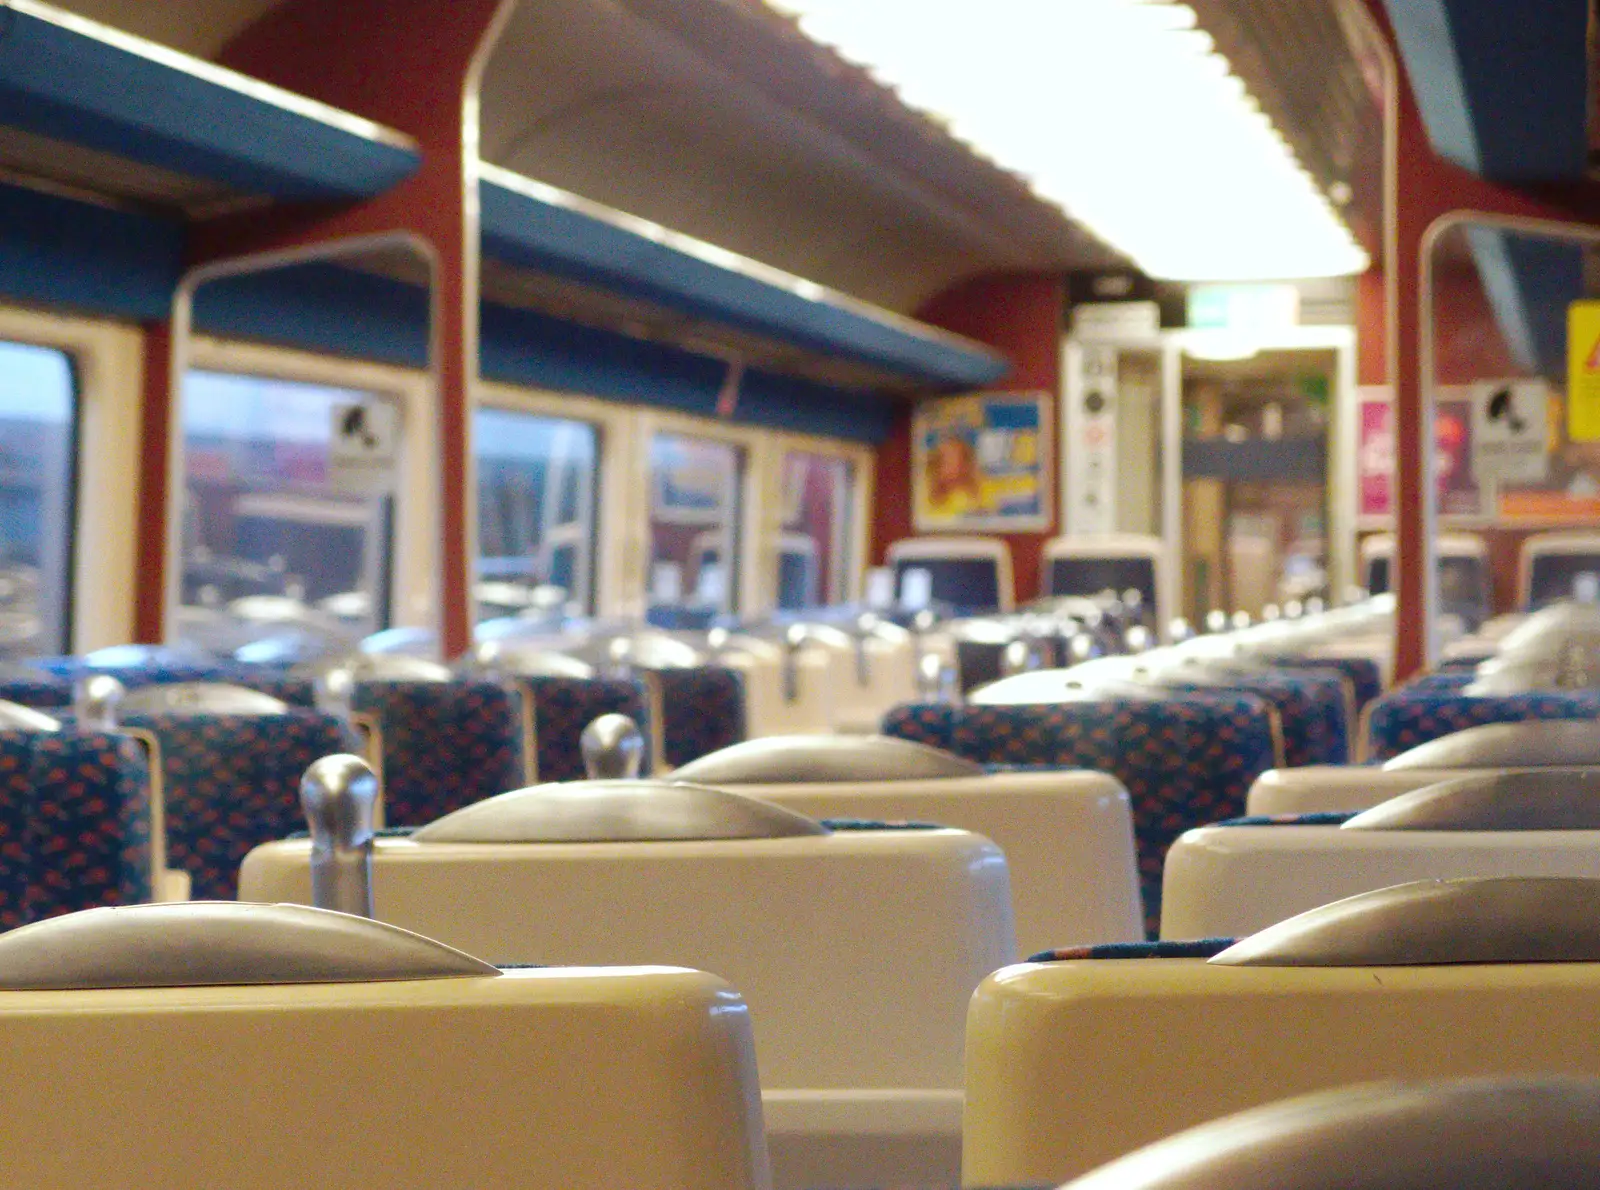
718, 119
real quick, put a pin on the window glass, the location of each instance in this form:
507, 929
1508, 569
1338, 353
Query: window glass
813, 551
537, 481
37, 442
264, 511
694, 527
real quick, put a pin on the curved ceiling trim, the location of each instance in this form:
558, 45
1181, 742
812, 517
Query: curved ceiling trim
66, 78
541, 228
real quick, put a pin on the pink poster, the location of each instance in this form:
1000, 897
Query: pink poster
1458, 493
1374, 456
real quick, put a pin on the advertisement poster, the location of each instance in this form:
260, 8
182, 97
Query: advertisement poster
1459, 495
1570, 489
981, 462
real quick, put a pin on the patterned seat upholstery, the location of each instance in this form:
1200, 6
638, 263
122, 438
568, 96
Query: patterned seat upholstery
1405, 718
1199, 948
16, 797
47, 692
233, 781
72, 668
1310, 818
702, 711
1364, 674
1185, 761
445, 744
1311, 707
87, 840
563, 707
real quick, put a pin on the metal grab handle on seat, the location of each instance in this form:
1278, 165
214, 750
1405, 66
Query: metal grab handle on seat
339, 795
95, 701
613, 749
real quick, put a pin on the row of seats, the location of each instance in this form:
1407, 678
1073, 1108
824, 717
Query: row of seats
949, 903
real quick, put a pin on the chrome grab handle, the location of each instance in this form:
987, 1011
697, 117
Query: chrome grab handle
339, 795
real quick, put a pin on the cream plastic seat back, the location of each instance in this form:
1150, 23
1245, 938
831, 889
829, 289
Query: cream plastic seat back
266, 1047
1071, 1064
857, 949
1228, 881
1451, 1134
1535, 743
1067, 836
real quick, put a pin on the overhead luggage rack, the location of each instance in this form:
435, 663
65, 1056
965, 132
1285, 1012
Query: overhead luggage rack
91, 110
551, 250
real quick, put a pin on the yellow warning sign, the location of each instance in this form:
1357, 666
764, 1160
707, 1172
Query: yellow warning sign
1583, 371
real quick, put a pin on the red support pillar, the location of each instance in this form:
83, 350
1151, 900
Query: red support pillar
1422, 190
413, 66
155, 449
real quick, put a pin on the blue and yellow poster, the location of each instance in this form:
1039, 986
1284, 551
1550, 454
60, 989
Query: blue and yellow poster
982, 462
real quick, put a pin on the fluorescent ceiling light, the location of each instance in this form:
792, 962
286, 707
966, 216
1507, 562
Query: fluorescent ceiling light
1119, 112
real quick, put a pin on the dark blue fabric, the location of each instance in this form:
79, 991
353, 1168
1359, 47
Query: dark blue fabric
1200, 948
1316, 818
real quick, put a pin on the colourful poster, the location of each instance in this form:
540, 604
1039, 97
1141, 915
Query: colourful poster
1583, 371
1459, 495
982, 462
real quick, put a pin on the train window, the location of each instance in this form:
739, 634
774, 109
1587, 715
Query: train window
38, 423
265, 513
537, 484
813, 550
695, 486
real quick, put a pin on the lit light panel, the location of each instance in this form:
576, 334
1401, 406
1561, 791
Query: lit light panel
1118, 111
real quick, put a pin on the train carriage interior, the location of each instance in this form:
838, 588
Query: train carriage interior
800, 594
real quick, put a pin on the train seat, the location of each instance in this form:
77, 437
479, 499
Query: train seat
1236, 879
1185, 759
1067, 836
437, 742
229, 761
1446, 1134
273, 1046
791, 682
870, 667
1088, 565
1462, 560
972, 575
31, 686
699, 704
1557, 565
1073, 1063
76, 810
1540, 743
857, 949
559, 696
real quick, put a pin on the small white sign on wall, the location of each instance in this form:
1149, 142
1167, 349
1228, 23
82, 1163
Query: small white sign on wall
363, 447
1510, 431
1091, 433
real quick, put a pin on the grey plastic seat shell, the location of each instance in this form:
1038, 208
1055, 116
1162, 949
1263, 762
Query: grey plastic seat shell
1503, 1133
215, 943
16, 717
1502, 919
201, 698
1539, 743
1515, 800
524, 660
823, 760
377, 667
616, 812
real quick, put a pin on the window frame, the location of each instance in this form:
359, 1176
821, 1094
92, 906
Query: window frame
107, 361
615, 427
414, 549
851, 539
746, 596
